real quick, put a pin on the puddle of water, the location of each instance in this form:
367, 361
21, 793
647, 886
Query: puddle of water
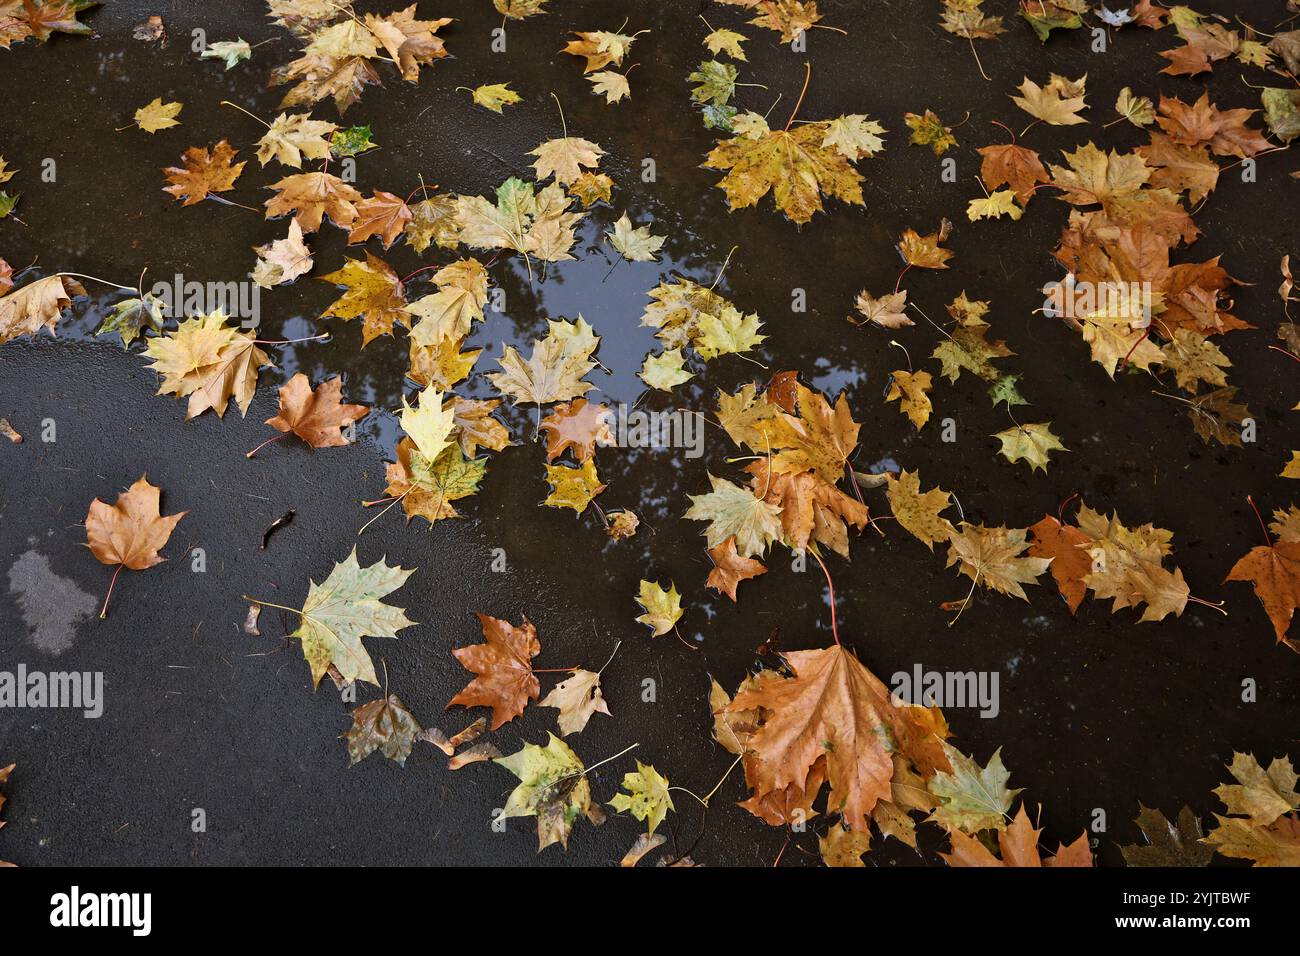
52, 606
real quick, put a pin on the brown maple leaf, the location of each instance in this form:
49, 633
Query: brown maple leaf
312, 196
317, 417
836, 710
812, 509
321, 75
1014, 166
503, 663
821, 439
1216, 417
1181, 168
130, 532
1067, 547
1204, 46
578, 425
925, 252
383, 214
203, 173
473, 424
1225, 131
1018, 844
729, 568
1274, 570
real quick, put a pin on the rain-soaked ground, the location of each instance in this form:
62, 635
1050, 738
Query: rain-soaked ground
1096, 711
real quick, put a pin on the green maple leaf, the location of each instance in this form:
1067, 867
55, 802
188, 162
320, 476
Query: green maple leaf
715, 83
352, 141
133, 317
971, 798
1030, 443
647, 797
733, 510
344, 608
552, 787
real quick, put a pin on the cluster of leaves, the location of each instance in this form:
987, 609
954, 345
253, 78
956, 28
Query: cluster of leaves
339, 47
821, 722
803, 445
40, 19
685, 315
1261, 823
825, 719
603, 49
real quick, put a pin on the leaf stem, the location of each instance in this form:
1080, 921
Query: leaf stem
807, 75
103, 611
835, 631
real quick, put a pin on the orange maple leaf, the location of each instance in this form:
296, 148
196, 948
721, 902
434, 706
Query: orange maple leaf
317, 417
836, 709
503, 663
203, 173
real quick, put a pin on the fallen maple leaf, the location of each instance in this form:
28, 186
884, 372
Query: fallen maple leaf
504, 669
493, 96
130, 532
578, 426
1058, 103
565, 158
1014, 166
553, 787
341, 610
663, 609
909, 390
1274, 570
573, 487
1167, 844
158, 115
35, 306
729, 568
993, 557
384, 725
1067, 548
917, 513
283, 260
290, 138
645, 796
384, 215
795, 165
834, 709
208, 362
577, 698
971, 798
311, 197
1018, 845
1030, 443
203, 173
317, 417
888, 312
736, 513
374, 292
925, 252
